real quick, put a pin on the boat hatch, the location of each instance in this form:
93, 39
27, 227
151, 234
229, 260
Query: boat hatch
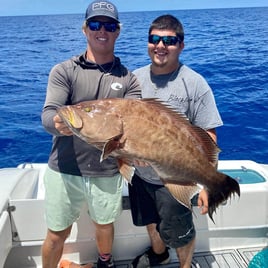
244, 176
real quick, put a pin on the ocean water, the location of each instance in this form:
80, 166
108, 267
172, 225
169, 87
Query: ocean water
227, 46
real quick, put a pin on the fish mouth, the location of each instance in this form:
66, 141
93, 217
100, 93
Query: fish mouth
70, 117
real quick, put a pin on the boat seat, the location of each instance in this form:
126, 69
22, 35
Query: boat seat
17, 184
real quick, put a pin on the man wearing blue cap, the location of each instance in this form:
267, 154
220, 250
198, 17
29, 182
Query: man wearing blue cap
75, 175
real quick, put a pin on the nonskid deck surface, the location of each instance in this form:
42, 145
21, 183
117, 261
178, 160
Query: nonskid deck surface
233, 258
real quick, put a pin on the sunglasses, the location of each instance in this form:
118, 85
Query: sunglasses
108, 26
167, 40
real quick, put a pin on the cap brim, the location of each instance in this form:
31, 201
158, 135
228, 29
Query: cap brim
100, 14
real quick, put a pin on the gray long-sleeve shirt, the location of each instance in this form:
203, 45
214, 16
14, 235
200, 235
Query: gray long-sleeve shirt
71, 82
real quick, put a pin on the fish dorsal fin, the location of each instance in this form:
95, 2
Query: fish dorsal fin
163, 106
202, 139
207, 145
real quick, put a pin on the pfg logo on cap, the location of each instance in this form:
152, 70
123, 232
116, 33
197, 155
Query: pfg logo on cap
103, 5
102, 8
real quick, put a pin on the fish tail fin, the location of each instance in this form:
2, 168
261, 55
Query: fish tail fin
216, 197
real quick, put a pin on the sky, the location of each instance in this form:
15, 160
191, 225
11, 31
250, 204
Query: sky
45, 7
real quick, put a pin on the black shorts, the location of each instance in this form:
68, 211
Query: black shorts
152, 203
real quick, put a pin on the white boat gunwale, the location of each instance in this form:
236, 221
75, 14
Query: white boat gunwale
241, 223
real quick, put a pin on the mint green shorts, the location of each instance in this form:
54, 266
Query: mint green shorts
65, 196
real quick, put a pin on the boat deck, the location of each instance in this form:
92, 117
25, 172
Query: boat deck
233, 258
230, 242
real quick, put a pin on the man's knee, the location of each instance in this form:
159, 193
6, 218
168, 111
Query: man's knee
56, 239
104, 227
177, 233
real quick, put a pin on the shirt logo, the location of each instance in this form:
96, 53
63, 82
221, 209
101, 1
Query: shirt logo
116, 86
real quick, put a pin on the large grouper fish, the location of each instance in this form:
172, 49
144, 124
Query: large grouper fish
148, 131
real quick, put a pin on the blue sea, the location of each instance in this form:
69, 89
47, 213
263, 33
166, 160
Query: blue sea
229, 47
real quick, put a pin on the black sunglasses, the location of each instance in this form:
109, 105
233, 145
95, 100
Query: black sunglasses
96, 25
167, 40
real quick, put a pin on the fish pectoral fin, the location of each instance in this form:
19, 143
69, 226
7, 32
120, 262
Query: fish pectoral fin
182, 193
110, 146
126, 170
